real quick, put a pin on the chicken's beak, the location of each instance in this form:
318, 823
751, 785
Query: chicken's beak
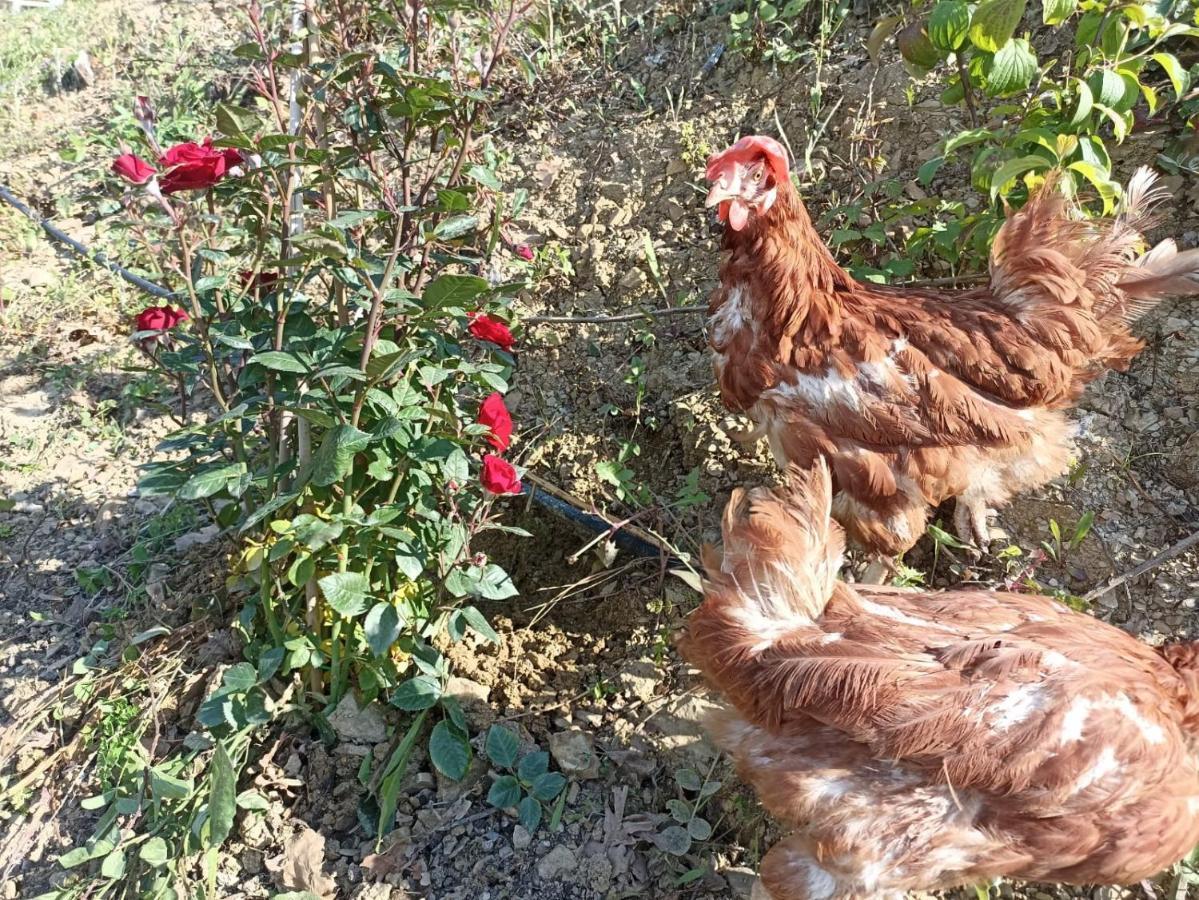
727, 187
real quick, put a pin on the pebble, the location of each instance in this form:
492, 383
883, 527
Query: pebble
574, 753
521, 839
556, 863
358, 725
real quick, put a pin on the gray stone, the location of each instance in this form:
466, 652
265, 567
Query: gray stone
741, 882
357, 725
574, 754
556, 863
521, 839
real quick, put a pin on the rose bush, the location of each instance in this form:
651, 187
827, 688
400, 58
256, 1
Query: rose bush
341, 370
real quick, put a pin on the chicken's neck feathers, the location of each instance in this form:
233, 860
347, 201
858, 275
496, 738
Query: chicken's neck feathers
792, 277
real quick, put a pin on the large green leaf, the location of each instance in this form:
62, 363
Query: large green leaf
1054, 12
1107, 87
529, 813
449, 751
994, 23
335, 457
279, 361
504, 793
1108, 189
502, 745
346, 592
948, 24
1012, 68
1086, 102
417, 693
222, 798
1013, 168
382, 628
1179, 77
210, 481
454, 290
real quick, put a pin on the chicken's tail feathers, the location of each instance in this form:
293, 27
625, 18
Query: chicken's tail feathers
1047, 256
774, 573
1143, 195
1164, 271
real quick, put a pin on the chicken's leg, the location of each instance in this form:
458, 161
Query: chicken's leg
879, 569
970, 523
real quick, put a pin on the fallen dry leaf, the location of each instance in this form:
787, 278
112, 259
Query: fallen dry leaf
390, 859
301, 866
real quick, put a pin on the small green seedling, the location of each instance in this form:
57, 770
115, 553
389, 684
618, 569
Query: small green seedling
528, 783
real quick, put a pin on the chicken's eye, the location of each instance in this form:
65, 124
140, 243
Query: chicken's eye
757, 176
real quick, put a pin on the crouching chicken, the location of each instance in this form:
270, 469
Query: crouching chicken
916, 395
928, 740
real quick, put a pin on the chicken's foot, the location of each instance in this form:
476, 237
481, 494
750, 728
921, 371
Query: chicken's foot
970, 523
879, 570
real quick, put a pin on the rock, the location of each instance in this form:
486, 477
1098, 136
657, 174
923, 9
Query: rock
356, 724
614, 191
521, 839
680, 727
556, 863
474, 698
574, 754
639, 679
741, 882
620, 217
634, 279
205, 535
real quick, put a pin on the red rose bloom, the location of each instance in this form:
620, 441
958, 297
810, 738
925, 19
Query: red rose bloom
264, 282
159, 318
191, 167
498, 476
494, 414
232, 156
485, 328
133, 169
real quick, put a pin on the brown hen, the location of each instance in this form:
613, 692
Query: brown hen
916, 395
925, 740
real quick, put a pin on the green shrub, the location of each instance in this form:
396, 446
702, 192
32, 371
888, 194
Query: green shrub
340, 349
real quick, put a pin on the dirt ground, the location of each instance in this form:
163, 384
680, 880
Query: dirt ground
612, 159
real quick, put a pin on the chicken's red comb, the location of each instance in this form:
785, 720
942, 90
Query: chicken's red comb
747, 148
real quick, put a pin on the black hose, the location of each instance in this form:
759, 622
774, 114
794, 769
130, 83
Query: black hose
62, 237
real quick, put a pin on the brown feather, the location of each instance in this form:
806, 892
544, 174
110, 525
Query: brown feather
925, 740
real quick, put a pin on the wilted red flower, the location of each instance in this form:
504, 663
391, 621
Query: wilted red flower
133, 169
499, 476
191, 166
524, 251
494, 414
263, 281
160, 318
485, 328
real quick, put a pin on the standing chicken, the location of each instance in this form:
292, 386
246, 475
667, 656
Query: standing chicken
917, 395
918, 741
